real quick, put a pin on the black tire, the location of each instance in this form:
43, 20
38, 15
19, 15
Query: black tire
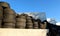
20, 20
9, 17
20, 16
4, 4
29, 21
1, 13
9, 11
42, 26
35, 25
21, 24
9, 20
29, 25
24, 17
9, 25
28, 18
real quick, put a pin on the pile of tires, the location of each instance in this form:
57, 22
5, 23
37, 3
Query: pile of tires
9, 18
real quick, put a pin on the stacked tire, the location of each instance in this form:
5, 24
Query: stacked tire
1, 15
21, 21
9, 18
35, 24
29, 23
4, 5
43, 25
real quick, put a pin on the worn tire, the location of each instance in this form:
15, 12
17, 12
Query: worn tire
9, 25
29, 21
7, 16
9, 20
28, 18
35, 25
4, 4
1, 13
9, 11
42, 26
29, 25
20, 24
20, 20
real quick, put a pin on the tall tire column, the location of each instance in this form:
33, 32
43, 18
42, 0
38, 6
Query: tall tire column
43, 25
1, 16
21, 21
9, 18
29, 23
35, 25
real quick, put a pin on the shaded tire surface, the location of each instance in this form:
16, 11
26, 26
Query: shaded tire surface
9, 25
1, 12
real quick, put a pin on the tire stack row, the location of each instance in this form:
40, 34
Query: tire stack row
21, 21
25, 21
8, 16
29, 23
35, 24
9, 19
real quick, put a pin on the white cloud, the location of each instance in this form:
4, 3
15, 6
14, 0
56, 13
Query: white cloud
58, 23
48, 19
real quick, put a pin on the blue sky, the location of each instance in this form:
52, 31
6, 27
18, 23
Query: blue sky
51, 7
